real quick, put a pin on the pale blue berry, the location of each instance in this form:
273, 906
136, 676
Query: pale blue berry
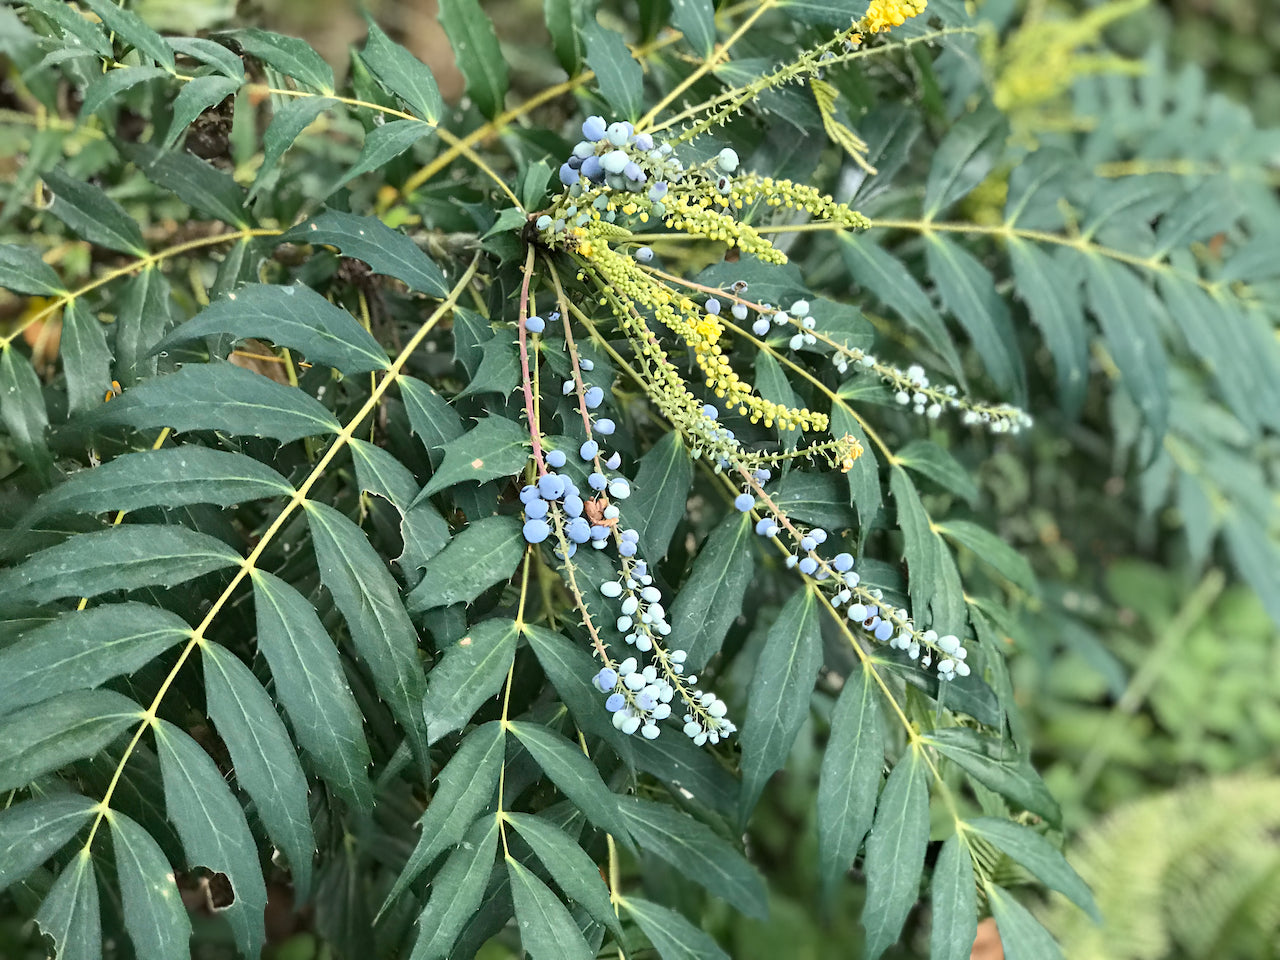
739, 311
535, 531
535, 324
593, 397
619, 489
713, 306
884, 630
744, 502
808, 565
528, 494
761, 327
597, 481
588, 450
644, 254
578, 530
605, 426
551, 486
594, 127
611, 589
842, 562
618, 133
536, 510
606, 679
615, 702
556, 459
573, 504
542, 222
615, 161
568, 175
727, 160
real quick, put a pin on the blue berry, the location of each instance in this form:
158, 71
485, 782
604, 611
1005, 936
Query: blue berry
763, 475
644, 254
843, 562
658, 190
551, 486
543, 222
713, 306
642, 142
586, 364
618, 133
614, 461
573, 505
594, 127
884, 630
592, 170
808, 543
627, 548
597, 481
709, 411
739, 311
599, 534
615, 702
528, 494
578, 530
588, 450
633, 172
556, 458
606, 679
744, 502
808, 565
619, 489
583, 149
761, 327
535, 531
593, 397
536, 510
611, 589
535, 324
818, 534
605, 426
568, 175
763, 524
615, 161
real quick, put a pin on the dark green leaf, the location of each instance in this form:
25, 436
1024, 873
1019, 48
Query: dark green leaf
1126, 312
779, 694
468, 673
1040, 857
575, 775
547, 929
92, 215
312, 688
570, 668
969, 292
83, 649
213, 829
107, 87
927, 559
293, 57
996, 764
119, 558
674, 937
380, 629
886, 277
69, 913
294, 316
499, 370
131, 28
619, 75
386, 251
221, 396
570, 867
495, 447
22, 271
383, 144
658, 496
693, 849
696, 19
938, 465
33, 831
564, 22
432, 419
141, 319
895, 852
1021, 934
1053, 300
482, 555
75, 28
456, 891
209, 52
864, 479
475, 47
196, 183
288, 122
154, 914
1035, 189
265, 762
711, 598
963, 159
402, 74
954, 899
192, 100
815, 498
993, 551
466, 787
172, 477
53, 733
850, 777
86, 359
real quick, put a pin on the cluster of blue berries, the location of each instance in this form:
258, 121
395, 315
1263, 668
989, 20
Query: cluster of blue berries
639, 698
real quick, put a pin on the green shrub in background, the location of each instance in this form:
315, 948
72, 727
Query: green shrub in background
423, 470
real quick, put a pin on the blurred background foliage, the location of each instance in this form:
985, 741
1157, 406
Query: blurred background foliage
1150, 690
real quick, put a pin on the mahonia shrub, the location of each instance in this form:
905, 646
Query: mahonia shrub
447, 519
